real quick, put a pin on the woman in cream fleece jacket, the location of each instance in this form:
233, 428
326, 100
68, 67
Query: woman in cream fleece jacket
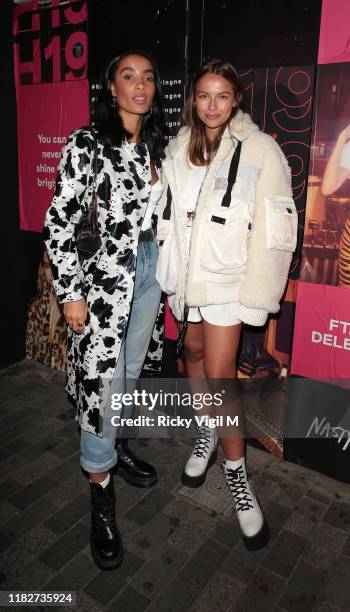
227, 229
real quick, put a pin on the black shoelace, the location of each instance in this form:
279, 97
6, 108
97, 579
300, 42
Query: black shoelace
202, 443
105, 508
106, 515
238, 486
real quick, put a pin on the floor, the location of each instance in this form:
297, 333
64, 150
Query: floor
181, 554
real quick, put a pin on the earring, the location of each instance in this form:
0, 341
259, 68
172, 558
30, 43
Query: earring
114, 103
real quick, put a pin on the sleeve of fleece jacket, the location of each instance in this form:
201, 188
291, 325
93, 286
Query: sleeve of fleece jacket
267, 270
62, 217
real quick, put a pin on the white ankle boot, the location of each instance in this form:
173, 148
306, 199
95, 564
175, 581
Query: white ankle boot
255, 531
203, 456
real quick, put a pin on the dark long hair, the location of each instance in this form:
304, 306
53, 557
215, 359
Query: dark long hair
109, 123
200, 150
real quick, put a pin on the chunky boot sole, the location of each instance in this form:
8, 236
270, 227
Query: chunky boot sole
135, 481
196, 481
259, 540
102, 563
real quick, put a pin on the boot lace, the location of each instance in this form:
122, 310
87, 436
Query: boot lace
106, 516
105, 509
238, 485
202, 443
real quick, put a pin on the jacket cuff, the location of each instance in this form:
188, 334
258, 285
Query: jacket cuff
69, 296
74, 296
252, 316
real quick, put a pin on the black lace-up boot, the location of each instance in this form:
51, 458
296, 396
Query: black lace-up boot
105, 540
203, 456
135, 471
255, 531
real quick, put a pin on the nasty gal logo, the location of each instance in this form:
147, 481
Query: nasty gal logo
324, 429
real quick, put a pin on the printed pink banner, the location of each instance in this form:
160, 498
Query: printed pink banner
46, 114
321, 347
334, 45
63, 57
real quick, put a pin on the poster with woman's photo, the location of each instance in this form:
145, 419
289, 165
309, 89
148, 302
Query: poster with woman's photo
321, 333
326, 250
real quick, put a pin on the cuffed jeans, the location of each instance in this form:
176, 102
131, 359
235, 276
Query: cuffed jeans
99, 454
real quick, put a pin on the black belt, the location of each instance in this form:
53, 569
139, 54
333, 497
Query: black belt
147, 235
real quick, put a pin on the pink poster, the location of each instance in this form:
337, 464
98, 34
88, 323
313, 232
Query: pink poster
170, 329
46, 113
334, 45
321, 348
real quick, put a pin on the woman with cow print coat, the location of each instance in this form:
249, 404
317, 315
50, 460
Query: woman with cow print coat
111, 300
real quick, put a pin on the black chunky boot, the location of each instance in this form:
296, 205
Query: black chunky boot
105, 540
134, 471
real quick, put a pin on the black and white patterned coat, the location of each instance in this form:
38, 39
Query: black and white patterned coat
106, 280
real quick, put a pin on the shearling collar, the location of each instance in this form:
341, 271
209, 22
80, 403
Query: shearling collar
240, 128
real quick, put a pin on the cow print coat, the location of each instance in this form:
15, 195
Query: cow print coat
106, 281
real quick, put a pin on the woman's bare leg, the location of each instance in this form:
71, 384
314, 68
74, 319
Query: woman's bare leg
193, 351
220, 362
205, 446
97, 478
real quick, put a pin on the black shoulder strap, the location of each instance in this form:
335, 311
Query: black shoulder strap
95, 156
232, 175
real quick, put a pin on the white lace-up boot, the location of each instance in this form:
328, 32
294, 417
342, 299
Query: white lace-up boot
204, 454
255, 531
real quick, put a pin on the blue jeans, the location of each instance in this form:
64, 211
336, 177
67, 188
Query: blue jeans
99, 454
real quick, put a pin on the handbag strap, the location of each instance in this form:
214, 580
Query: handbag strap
180, 342
95, 153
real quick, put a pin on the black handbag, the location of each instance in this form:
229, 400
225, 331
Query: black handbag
87, 235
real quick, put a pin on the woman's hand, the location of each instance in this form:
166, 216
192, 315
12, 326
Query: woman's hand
75, 315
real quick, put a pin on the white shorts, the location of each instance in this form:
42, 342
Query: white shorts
216, 314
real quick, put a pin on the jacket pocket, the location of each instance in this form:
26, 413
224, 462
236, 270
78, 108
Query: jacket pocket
224, 245
281, 223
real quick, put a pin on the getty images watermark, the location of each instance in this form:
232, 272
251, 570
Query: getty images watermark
162, 400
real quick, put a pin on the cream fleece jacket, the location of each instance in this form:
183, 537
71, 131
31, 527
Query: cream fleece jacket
241, 253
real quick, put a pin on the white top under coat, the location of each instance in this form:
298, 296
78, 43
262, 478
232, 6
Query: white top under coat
156, 192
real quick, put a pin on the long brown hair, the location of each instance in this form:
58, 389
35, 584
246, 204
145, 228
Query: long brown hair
200, 150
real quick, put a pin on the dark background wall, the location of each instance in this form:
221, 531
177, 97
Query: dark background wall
180, 34
253, 33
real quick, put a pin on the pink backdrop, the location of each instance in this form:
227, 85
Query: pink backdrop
46, 114
170, 330
334, 45
321, 347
